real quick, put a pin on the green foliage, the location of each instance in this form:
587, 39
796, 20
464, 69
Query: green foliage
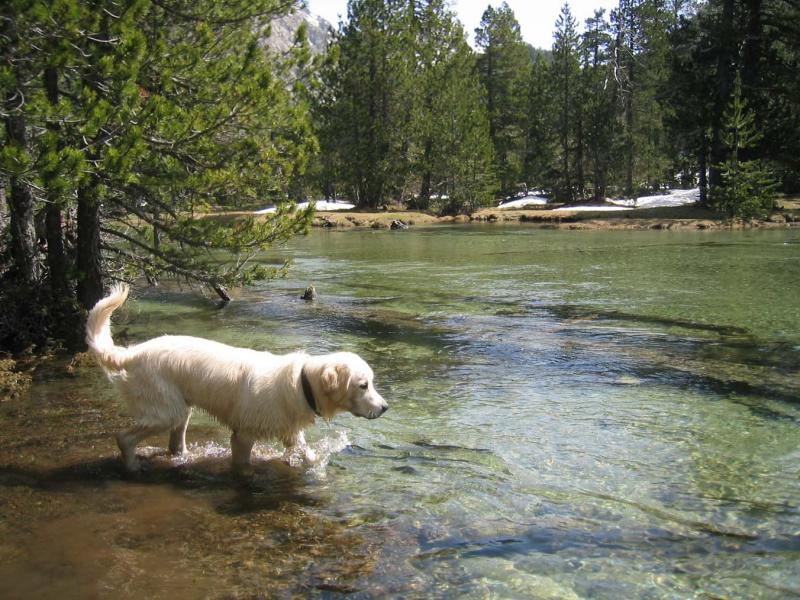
564, 82
399, 112
504, 69
747, 187
151, 112
598, 96
541, 170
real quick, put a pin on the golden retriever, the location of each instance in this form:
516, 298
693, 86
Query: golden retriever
257, 394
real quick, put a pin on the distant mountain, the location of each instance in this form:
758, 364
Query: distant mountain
285, 28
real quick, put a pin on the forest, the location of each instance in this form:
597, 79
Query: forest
653, 94
126, 122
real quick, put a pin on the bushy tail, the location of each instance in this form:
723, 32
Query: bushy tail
98, 330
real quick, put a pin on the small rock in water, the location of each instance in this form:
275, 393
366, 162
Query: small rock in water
628, 380
398, 224
309, 294
405, 469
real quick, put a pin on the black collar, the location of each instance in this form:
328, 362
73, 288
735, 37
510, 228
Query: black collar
308, 392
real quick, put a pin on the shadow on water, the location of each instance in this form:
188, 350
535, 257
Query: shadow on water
271, 486
191, 531
566, 311
730, 362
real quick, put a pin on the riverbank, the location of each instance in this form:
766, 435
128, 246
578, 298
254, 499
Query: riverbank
661, 218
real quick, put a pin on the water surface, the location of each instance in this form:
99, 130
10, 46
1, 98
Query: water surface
573, 415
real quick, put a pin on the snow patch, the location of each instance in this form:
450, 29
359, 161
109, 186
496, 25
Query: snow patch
670, 198
326, 205
529, 200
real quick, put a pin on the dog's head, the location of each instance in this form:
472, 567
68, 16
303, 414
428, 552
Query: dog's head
347, 385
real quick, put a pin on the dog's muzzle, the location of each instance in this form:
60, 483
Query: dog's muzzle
374, 414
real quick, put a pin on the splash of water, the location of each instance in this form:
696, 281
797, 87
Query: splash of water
313, 458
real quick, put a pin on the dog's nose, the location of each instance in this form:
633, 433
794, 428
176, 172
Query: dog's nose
384, 408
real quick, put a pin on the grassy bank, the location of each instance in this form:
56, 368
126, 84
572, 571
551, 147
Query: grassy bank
686, 217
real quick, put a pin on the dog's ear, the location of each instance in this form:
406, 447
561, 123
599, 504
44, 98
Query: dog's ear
334, 377
330, 379
343, 372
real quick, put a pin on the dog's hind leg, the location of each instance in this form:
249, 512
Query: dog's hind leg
177, 437
128, 440
241, 447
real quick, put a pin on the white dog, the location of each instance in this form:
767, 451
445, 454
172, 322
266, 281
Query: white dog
257, 394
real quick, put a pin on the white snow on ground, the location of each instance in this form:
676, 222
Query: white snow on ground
670, 198
529, 200
321, 205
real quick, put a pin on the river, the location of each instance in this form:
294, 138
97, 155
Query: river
572, 415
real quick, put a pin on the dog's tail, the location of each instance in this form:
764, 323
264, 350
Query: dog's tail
98, 330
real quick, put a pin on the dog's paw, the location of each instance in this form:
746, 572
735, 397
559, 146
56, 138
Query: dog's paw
137, 467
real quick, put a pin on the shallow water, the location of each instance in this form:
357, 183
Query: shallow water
573, 415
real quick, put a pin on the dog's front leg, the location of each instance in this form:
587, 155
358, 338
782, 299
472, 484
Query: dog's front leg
297, 445
241, 447
177, 437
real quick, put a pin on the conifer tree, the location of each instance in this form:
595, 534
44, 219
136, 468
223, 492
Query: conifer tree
366, 111
400, 111
132, 115
541, 170
504, 68
598, 101
564, 80
452, 152
746, 188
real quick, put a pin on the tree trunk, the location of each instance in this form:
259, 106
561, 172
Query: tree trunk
703, 166
425, 188
20, 208
629, 191
56, 257
579, 175
90, 274
724, 85
66, 321
752, 47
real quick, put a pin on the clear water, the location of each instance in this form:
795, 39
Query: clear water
573, 415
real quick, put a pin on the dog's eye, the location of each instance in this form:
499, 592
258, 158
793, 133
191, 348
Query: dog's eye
364, 385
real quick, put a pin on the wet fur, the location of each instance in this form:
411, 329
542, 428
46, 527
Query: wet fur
257, 394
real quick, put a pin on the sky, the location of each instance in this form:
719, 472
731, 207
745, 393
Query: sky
536, 18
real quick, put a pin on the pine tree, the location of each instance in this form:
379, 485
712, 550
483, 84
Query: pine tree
451, 150
640, 59
542, 140
400, 112
564, 79
688, 106
746, 188
365, 108
504, 68
135, 114
598, 94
